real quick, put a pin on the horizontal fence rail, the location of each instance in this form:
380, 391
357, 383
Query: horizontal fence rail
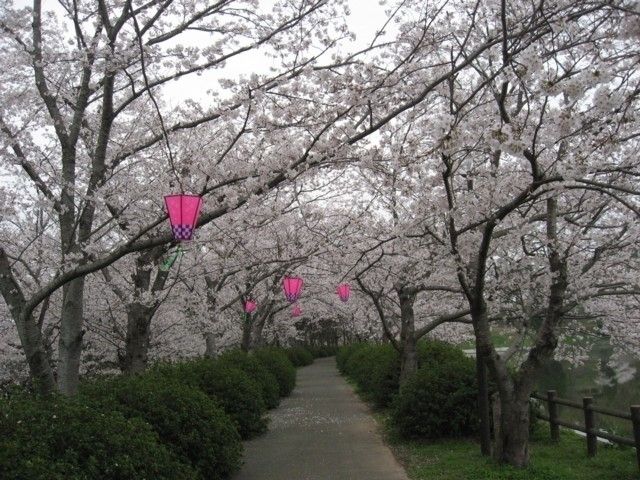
589, 428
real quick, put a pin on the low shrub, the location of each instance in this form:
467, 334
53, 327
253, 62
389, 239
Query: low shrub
344, 353
278, 363
439, 400
238, 394
432, 352
73, 439
376, 371
356, 365
323, 351
376, 368
260, 374
299, 356
384, 378
191, 424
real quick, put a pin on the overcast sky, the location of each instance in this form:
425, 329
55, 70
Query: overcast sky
367, 16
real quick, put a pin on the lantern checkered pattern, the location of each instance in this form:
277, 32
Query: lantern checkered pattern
182, 232
183, 213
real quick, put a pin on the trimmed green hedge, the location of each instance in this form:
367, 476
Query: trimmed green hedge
178, 421
299, 356
376, 371
439, 400
322, 352
432, 352
195, 427
74, 439
278, 363
239, 395
344, 353
260, 374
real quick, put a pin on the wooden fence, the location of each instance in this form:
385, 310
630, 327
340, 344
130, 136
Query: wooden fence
590, 424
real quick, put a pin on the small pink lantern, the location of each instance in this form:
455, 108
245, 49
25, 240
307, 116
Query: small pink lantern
344, 291
292, 288
183, 214
250, 306
296, 311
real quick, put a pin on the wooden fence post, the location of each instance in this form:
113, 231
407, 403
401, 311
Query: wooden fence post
552, 408
590, 426
635, 418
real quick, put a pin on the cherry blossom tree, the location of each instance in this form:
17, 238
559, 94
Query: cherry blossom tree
83, 79
537, 185
479, 166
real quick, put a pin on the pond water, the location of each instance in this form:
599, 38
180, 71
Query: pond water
612, 381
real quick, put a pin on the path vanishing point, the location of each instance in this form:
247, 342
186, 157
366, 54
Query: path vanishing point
321, 432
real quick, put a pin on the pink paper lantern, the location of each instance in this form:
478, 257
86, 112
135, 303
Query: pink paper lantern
183, 214
296, 311
344, 291
292, 287
250, 306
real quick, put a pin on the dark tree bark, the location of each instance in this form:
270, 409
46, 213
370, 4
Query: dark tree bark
29, 330
141, 308
138, 339
408, 340
71, 335
512, 432
484, 407
257, 327
245, 343
211, 348
140, 312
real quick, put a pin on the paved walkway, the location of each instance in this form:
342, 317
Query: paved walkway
321, 432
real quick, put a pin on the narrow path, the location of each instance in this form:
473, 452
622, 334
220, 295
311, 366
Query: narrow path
321, 432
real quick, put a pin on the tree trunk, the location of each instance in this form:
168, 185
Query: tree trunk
408, 350
511, 412
484, 410
512, 436
140, 310
40, 369
512, 429
29, 331
408, 359
136, 353
257, 340
497, 415
513, 443
71, 333
211, 350
245, 345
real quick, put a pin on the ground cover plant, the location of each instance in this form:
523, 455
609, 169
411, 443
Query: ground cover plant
299, 356
180, 420
460, 459
278, 363
432, 421
60, 438
258, 372
191, 424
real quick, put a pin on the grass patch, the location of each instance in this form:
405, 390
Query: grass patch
461, 460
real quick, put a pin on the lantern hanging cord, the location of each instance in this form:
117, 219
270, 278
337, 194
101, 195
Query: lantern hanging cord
165, 136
